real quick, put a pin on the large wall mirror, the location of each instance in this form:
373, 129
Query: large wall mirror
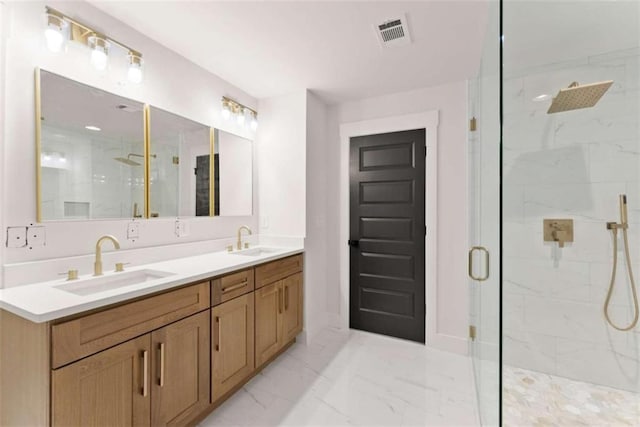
183, 177
91, 149
234, 178
92, 160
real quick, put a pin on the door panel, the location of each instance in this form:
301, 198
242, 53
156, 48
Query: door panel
292, 313
181, 370
268, 321
232, 357
387, 220
105, 389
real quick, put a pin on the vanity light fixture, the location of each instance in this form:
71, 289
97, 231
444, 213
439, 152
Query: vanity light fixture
99, 43
231, 107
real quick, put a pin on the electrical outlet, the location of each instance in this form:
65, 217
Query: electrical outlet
36, 236
16, 237
182, 228
133, 230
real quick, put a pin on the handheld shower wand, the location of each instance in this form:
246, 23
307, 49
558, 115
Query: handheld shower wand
614, 227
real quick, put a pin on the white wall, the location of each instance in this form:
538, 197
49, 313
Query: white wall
280, 146
3, 29
451, 102
317, 211
171, 82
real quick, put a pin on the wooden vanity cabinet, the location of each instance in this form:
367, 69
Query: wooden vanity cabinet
110, 388
167, 359
180, 370
232, 351
161, 378
278, 307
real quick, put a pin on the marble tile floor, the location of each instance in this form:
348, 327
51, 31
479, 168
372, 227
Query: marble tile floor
355, 378
536, 399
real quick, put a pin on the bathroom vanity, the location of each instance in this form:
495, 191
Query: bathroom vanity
167, 352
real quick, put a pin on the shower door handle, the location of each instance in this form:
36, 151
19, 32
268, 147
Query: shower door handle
486, 263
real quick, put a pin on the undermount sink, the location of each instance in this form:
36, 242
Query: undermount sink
256, 251
113, 281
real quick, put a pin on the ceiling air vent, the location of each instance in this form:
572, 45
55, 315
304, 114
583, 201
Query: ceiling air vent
393, 32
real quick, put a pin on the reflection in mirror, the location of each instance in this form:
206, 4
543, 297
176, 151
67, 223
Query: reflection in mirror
235, 180
91, 152
180, 167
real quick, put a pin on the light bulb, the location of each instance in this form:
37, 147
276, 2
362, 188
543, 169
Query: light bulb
240, 116
53, 33
54, 39
254, 122
99, 59
134, 74
226, 111
99, 51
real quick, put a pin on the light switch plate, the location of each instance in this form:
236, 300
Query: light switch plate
36, 236
16, 237
133, 230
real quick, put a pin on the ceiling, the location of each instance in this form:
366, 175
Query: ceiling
270, 48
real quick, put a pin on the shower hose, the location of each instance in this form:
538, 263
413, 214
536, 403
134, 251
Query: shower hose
613, 280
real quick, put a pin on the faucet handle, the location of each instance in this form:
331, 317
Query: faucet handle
246, 245
120, 266
71, 274
230, 248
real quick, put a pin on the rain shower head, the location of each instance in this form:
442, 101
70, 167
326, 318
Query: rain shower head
578, 96
126, 161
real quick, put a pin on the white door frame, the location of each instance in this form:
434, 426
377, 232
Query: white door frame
427, 120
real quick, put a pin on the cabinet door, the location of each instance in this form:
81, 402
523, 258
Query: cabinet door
292, 313
268, 321
110, 388
180, 370
232, 356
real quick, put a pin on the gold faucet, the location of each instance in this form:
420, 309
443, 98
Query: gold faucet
239, 244
97, 266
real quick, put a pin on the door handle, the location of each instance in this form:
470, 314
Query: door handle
354, 243
486, 263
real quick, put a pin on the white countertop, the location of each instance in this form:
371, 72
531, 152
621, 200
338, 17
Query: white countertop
43, 302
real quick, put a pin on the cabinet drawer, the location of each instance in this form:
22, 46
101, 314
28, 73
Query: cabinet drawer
276, 270
94, 332
232, 286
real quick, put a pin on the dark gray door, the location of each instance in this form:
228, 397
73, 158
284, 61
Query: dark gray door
387, 232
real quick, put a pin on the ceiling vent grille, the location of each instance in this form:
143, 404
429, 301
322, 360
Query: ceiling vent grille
393, 32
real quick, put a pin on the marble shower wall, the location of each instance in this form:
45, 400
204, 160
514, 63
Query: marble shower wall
571, 165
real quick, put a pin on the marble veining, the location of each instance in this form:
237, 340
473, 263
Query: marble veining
345, 378
535, 399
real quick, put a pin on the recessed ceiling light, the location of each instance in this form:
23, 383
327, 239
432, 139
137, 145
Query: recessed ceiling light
93, 128
542, 97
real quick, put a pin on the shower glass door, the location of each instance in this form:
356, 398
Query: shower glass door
571, 148
484, 224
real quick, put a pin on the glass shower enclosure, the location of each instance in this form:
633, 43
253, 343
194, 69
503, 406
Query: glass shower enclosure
554, 161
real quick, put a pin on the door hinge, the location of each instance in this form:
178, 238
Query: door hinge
472, 332
473, 125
